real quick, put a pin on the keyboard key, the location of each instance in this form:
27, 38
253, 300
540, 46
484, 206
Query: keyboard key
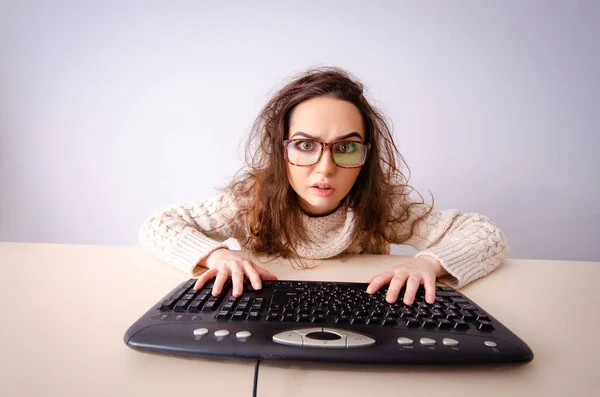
436, 313
406, 312
459, 300
444, 288
466, 315
303, 318
189, 283
422, 313
193, 307
375, 320
483, 325
178, 294
443, 323
289, 317
343, 319
359, 320
481, 316
210, 305
253, 316
319, 318
238, 315
167, 305
460, 324
180, 306
273, 317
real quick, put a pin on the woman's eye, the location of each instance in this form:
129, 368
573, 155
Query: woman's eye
345, 147
305, 145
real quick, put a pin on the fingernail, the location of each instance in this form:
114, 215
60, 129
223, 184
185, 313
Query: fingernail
256, 285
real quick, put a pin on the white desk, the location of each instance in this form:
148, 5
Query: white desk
66, 308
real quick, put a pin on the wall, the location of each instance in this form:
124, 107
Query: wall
111, 110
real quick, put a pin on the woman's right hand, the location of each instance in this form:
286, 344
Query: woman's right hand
222, 263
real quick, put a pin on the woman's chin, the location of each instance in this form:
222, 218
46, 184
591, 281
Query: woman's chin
320, 208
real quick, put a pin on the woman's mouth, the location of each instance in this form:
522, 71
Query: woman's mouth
322, 189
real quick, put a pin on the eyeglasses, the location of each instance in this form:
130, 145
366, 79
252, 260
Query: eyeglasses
307, 152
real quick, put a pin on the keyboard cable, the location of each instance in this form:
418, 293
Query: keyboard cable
255, 378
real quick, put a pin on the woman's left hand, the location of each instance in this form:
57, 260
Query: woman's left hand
414, 272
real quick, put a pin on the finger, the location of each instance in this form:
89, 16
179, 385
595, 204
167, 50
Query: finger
220, 280
265, 274
379, 281
252, 275
237, 278
395, 287
429, 282
412, 285
203, 278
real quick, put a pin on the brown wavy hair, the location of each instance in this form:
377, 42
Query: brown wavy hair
269, 204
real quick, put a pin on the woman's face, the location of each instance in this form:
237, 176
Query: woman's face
322, 186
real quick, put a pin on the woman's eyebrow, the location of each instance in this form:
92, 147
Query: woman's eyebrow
339, 138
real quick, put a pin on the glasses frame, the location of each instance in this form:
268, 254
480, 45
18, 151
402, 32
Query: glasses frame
323, 147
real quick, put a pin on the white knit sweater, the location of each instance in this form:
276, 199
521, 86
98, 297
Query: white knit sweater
467, 245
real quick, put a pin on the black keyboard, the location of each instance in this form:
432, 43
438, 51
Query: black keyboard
325, 321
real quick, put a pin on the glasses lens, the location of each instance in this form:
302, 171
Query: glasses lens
303, 152
348, 154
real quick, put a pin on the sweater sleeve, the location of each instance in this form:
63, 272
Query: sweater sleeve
468, 245
182, 235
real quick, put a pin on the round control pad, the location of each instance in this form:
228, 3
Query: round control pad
324, 336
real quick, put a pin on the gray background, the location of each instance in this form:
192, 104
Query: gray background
112, 110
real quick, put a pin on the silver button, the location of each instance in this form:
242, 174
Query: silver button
427, 342
450, 342
221, 333
358, 340
490, 343
290, 338
243, 335
405, 341
200, 331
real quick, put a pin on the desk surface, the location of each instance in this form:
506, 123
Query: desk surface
66, 308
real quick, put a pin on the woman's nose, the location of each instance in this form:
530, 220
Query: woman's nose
326, 165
